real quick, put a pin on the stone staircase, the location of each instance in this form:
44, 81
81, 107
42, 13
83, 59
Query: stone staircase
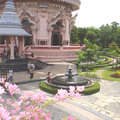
20, 65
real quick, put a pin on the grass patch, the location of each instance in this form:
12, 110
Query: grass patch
106, 75
85, 74
93, 89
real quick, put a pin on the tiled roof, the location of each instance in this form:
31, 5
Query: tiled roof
9, 23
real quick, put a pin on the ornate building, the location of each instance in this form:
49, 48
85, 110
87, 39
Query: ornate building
49, 22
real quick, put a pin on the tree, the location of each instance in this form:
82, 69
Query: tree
82, 34
74, 35
105, 36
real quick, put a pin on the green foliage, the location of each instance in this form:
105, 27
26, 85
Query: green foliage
113, 46
106, 74
93, 89
74, 35
91, 36
102, 36
47, 88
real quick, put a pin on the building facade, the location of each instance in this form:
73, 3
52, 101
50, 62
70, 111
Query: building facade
48, 21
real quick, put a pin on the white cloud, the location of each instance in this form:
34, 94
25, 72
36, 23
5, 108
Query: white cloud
98, 12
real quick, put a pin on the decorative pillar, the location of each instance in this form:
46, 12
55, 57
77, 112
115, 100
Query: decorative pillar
12, 47
43, 32
7, 43
22, 43
49, 42
34, 36
67, 28
19, 47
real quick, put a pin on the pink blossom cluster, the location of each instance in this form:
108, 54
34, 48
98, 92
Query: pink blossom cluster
4, 114
69, 118
30, 106
12, 88
74, 91
2, 80
2, 90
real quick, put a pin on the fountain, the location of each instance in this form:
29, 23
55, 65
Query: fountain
69, 79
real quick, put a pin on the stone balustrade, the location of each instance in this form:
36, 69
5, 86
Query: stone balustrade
53, 53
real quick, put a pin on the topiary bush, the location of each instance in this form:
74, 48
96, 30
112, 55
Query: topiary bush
93, 89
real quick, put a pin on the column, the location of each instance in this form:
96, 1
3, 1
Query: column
67, 28
50, 37
19, 47
34, 37
12, 47
7, 43
43, 24
22, 43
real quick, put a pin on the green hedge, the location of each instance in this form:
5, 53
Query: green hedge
93, 89
47, 88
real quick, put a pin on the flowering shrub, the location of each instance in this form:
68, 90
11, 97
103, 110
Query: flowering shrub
117, 74
30, 106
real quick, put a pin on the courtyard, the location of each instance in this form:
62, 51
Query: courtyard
103, 105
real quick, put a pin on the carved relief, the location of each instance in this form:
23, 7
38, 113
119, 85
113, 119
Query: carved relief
58, 15
73, 19
27, 14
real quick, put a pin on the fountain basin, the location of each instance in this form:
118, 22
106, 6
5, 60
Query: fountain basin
64, 82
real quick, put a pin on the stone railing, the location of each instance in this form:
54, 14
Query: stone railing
53, 53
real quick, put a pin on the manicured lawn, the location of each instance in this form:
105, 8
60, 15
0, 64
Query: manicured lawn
106, 75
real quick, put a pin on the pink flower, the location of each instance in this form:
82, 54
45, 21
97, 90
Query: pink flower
11, 88
4, 114
9, 102
1, 100
80, 88
2, 90
71, 88
61, 95
71, 118
78, 95
2, 80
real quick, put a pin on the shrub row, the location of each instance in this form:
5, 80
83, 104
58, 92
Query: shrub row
93, 89
47, 88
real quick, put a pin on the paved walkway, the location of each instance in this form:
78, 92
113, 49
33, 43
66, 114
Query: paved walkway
104, 105
55, 68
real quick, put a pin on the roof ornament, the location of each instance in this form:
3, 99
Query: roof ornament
10, 23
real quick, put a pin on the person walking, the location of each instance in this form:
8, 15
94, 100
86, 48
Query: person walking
11, 76
31, 72
48, 76
28, 67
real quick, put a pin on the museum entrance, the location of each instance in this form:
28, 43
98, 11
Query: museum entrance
56, 39
27, 27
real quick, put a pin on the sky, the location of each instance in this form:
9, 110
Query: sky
94, 13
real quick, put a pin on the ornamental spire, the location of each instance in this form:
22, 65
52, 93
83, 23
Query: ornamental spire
10, 23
